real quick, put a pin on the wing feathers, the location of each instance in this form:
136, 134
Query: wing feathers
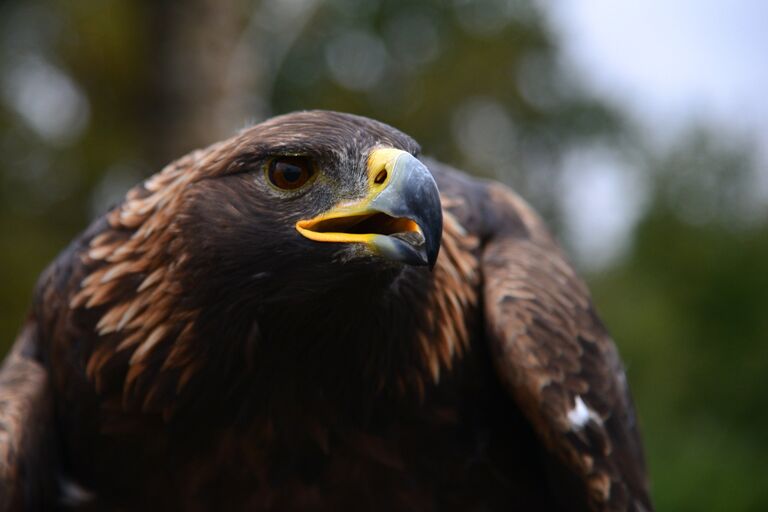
557, 359
25, 447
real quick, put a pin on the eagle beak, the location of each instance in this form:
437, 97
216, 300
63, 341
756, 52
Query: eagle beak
400, 218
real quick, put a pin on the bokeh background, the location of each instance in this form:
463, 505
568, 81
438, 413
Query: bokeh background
638, 129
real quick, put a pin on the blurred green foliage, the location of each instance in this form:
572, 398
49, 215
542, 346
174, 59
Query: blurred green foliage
90, 104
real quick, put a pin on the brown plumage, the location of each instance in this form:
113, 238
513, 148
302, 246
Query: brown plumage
193, 350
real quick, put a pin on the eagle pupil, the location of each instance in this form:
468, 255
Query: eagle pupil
289, 172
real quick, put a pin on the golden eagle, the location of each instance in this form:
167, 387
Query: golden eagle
296, 319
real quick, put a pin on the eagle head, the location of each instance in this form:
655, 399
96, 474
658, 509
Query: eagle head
309, 197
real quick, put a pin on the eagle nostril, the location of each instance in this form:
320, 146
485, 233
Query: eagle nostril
381, 177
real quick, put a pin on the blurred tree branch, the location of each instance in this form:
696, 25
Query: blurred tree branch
195, 88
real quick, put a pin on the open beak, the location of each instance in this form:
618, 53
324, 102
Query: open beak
400, 218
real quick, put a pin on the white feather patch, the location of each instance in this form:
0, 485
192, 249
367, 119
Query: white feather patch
580, 415
73, 494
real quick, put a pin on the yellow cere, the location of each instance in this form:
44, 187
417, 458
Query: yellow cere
382, 159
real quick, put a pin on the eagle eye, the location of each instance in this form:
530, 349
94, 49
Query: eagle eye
289, 172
